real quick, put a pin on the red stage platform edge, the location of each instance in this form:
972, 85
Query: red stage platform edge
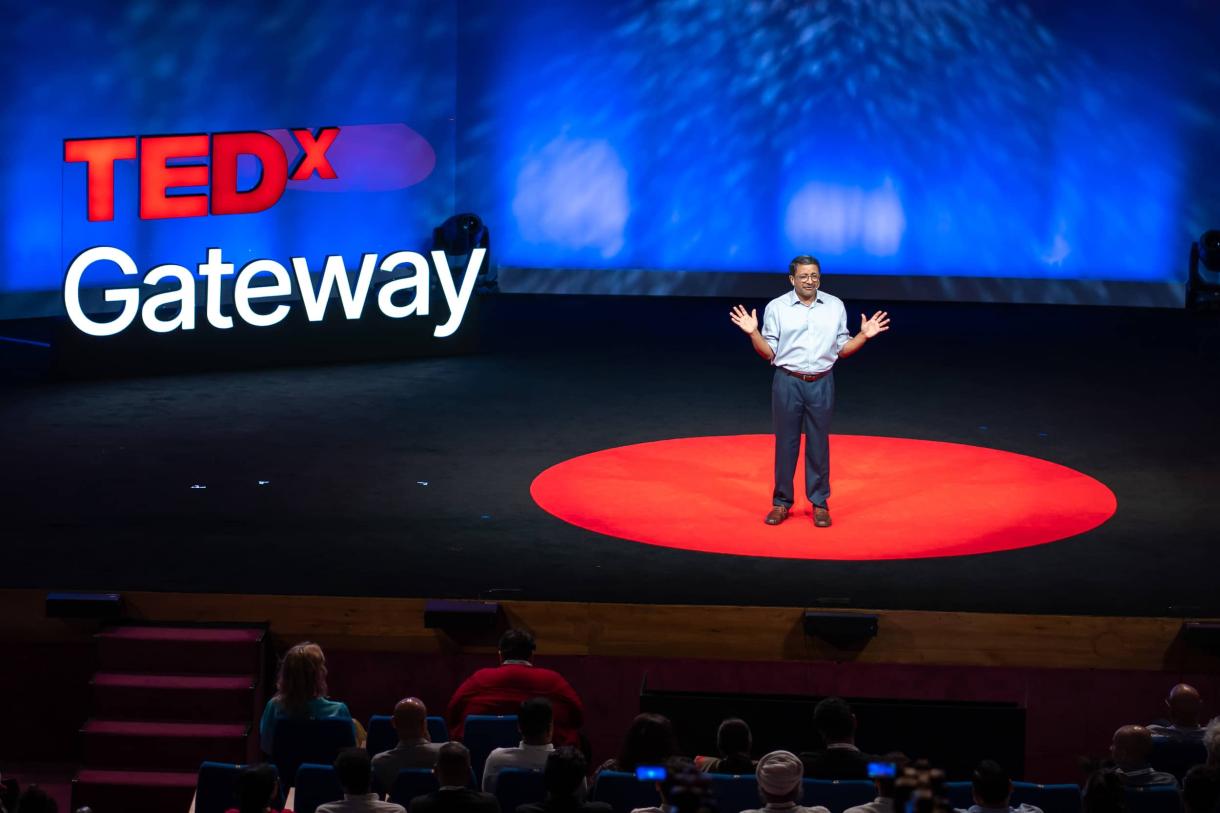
893, 498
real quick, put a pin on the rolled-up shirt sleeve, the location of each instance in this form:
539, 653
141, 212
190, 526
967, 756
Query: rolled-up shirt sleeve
843, 335
770, 328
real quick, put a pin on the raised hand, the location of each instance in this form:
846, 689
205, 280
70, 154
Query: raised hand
879, 323
748, 322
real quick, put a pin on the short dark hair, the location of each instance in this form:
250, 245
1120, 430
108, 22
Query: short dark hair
565, 768
516, 645
650, 741
833, 719
1104, 792
355, 770
453, 761
534, 717
733, 737
255, 786
803, 259
991, 783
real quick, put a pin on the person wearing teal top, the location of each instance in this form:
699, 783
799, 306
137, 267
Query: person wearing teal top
300, 692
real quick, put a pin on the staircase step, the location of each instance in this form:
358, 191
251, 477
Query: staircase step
112, 744
108, 791
180, 650
134, 696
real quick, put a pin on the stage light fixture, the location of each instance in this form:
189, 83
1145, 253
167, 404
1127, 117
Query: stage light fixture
1203, 284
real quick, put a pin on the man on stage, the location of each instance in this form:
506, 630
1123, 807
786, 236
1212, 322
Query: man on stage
803, 333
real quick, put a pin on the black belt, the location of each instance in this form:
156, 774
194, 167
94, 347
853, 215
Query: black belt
804, 376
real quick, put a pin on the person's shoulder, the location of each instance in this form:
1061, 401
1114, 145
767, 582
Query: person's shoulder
813, 809
830, 299
325, 707
1027, 808
387, 807
782, 299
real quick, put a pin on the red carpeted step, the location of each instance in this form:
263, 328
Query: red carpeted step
134, 791
127, 696
180, 650
161, 746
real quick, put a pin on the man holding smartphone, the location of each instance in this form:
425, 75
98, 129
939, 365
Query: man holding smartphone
804, 332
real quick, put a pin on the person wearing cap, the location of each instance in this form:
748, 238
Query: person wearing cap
780, 784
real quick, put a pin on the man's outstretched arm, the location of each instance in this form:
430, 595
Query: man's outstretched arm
748, 322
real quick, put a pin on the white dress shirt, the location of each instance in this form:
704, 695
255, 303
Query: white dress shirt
805, 338
364, 803
527, 757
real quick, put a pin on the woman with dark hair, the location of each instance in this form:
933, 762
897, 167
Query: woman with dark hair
650, 741
300, 691
733, 741
258, 788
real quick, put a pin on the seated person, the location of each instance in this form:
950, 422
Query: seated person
414, 749
355, 772
300, 691
840, 759
1201, 790
1185, 721
675, 766
452, 773
650, 741
535, 722
992, 790
258, 790
733, 742
500, 690
564, 778
1130, 749
780, 784
1103, 792
884, 803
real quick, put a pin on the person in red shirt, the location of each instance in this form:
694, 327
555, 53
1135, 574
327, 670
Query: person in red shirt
501, 689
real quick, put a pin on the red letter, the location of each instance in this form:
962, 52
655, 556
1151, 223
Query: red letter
156, 178
226, 147
100, 154
315, 154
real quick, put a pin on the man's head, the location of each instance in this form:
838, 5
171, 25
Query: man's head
1131, 746
565, 769
516, 645
805, 274
1185, 706
355, 771
411, 719
535, 719
453, 765
779, 777
733, 737
834, 721
257, 785
991, 785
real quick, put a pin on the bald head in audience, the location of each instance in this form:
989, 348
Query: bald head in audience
411, 719
1185, 706
1131, 746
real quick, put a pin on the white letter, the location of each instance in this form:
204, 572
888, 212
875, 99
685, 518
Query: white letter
184, 297
353, 302
130, 297
457, 302
212, 271
419, 282
243, 292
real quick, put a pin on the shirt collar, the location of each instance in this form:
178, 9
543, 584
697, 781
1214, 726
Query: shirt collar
844, 746
524, 746
369, 796
515, 662
793, 299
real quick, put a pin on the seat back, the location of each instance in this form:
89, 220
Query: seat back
838, 794
381, 734
437, 730
412, 782
315, 785
519, 786
735, 792
298, 740
1063, 798
484, 732
216, 788
1154, 799
961, 794
1176, 756
623, 792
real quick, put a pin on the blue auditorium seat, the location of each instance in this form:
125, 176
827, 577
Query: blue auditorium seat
300, 740
1063, 798
1154, 799
412, 782
1176, 756
315, 785
735, 792
483, 733
623, 792
381, 734
519, 786
838, 794
437, 730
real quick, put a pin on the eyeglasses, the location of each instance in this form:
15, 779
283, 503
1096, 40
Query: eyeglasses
808, 277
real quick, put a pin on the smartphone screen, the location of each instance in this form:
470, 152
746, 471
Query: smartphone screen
880, 770
650, 773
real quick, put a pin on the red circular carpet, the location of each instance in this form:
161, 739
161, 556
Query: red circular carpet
894, 498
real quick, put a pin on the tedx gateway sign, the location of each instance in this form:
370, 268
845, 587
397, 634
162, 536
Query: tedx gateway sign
158, 178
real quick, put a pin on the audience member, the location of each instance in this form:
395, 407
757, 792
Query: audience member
1130, 749
36, 800
1211, 741
650, 741
355, 772
884, 803
1185, 715
780, 775
500, 690
733, 742
300, 691
840, 759
564, 778
452, 773
535, 721
1201, 789
675, 767
258, 790
992, 790
414, 749
1103, 792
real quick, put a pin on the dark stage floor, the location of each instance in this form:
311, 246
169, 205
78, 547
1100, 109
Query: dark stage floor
411, 478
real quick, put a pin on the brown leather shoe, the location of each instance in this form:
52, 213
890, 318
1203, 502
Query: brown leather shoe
821, 517
778, 514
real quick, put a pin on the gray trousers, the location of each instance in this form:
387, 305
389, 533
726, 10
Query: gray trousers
802, 407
